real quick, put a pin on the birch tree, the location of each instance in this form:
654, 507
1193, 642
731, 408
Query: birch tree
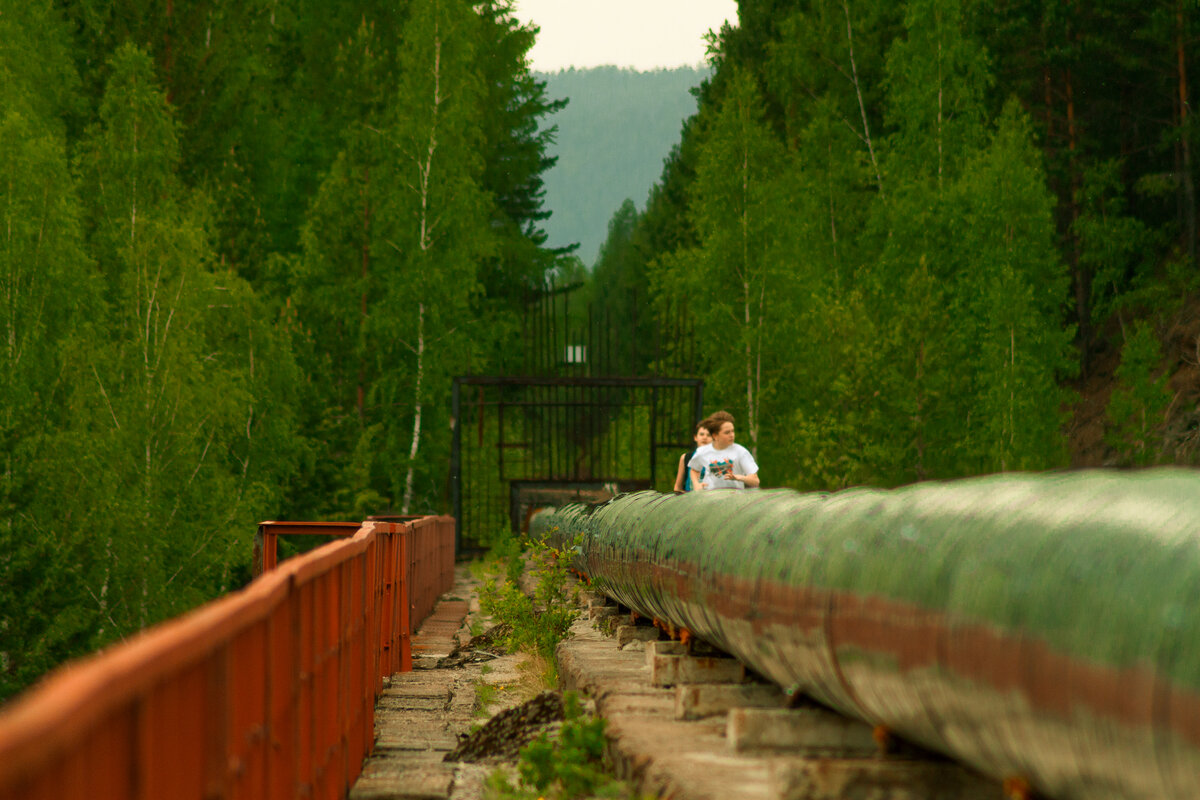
47, 291
170, 406
433, 231
1011, 346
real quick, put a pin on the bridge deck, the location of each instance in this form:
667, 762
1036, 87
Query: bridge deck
420, 714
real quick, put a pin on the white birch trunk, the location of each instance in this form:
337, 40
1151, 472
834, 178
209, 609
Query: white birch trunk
425, 242
414, 448
862, 107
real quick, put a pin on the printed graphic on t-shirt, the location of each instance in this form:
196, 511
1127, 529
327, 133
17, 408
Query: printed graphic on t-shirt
722, 469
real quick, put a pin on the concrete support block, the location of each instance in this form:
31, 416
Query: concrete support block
697, 701
663, 647
671, 670
636, 633
601, 612
807, 730
877, 779
699, 647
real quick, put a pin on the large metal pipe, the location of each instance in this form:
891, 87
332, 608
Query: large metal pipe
1042, 627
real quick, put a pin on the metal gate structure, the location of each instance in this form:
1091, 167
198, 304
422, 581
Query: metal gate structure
524, 442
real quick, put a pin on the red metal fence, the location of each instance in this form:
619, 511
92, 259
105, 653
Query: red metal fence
265, 693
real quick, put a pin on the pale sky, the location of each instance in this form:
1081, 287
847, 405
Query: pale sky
643, 34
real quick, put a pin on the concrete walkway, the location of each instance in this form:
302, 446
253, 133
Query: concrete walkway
714, 736
421, 713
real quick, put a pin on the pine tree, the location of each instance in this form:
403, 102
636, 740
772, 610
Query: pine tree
1014, 345
1138, 403
735, 217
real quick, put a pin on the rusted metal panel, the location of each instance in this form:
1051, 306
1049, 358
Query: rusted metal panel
266, 693
266, 538
1037, 627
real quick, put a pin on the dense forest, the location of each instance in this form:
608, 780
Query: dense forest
242, 248
935, 238
610, 144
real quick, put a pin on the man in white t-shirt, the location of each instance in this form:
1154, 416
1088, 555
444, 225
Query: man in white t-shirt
726, 465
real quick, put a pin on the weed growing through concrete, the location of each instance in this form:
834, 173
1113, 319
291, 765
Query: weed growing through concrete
485, 696
561, 765
538, 621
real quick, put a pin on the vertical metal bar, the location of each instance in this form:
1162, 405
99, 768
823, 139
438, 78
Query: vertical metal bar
500, 439
657, 352
635, 367
404, 597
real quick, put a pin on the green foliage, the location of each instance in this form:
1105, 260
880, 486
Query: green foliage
219, 303
539, 622
1139, 401
1111, 242
563, 765
873, 278
485, 695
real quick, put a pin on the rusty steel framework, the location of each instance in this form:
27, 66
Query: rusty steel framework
524, 442
591, 404
567, 336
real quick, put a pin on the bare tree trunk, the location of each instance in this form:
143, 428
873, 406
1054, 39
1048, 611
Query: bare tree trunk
754, 418
918, 420
416, 432
1189, 188
102, 599
833, 222
426, 169
425, 243
168, 52
1012, 398
862, 107
1082, 277
941, 100
366, 258
751, 394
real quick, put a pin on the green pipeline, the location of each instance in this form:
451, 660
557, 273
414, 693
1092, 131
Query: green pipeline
1050, 606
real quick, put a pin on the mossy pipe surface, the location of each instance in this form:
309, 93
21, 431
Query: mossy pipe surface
1045, 627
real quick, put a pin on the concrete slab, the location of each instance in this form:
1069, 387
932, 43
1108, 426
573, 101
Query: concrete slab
665, 647
403, 703
425, 782
805, 730
877, 779
414, 733
672, 670
636, 633
660, 755
697, 701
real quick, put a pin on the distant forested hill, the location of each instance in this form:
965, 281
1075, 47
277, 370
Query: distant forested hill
612, 138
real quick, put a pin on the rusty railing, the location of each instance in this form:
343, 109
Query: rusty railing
268, 692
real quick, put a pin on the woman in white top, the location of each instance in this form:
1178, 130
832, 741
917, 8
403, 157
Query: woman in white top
724, 465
